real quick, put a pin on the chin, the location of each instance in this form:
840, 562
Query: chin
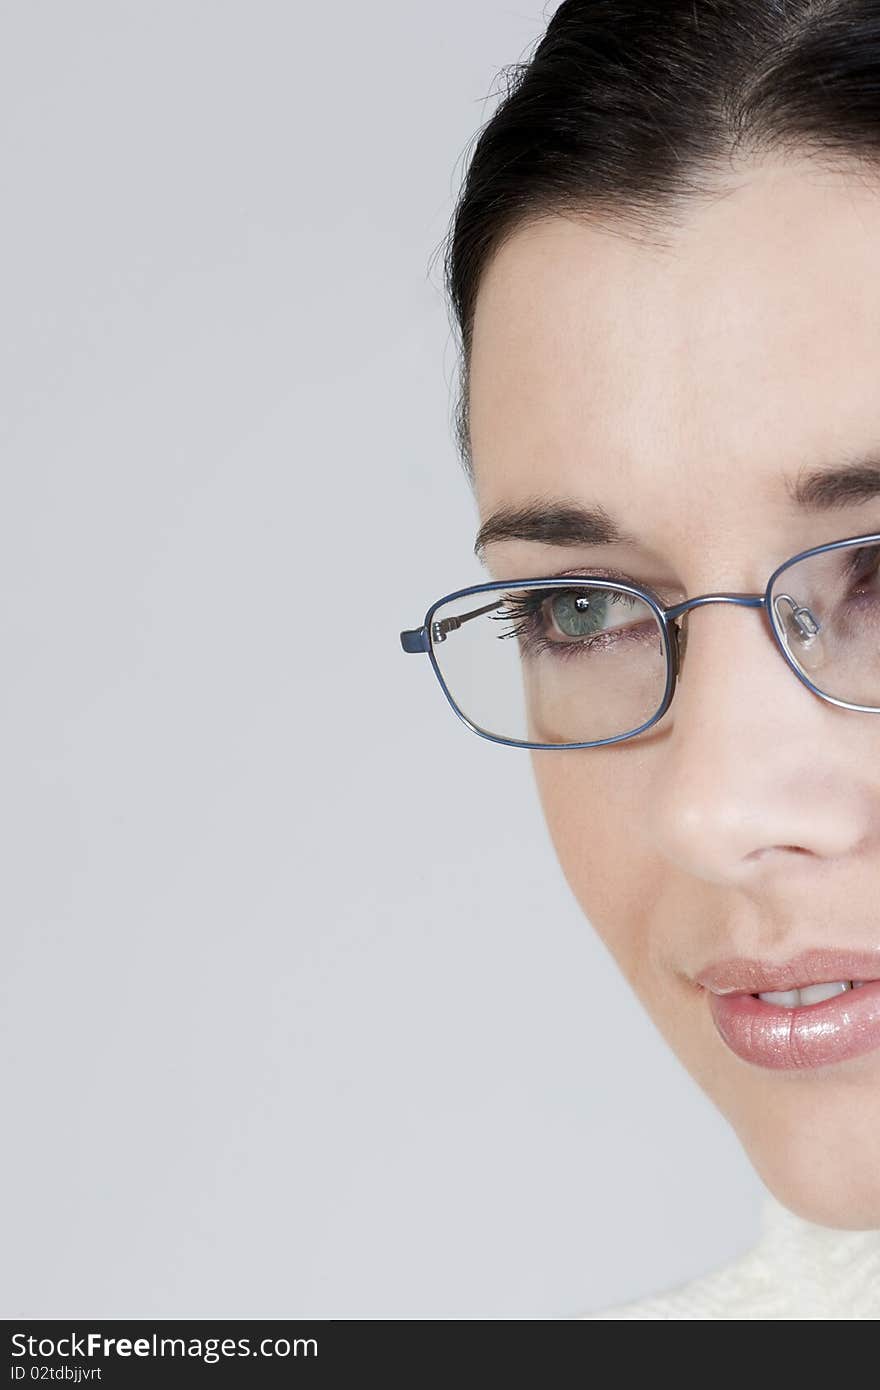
814, 1141
846, 1200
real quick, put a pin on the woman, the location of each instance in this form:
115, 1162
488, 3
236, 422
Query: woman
663, 267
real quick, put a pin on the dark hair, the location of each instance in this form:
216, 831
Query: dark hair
632, 108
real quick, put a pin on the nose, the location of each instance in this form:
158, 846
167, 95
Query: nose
758, 777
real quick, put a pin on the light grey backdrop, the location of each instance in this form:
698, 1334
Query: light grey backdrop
299, 1017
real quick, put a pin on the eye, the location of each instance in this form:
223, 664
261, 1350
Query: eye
863, 564
577, 615
567, 623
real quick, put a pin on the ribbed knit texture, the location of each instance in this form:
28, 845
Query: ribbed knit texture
795, 1271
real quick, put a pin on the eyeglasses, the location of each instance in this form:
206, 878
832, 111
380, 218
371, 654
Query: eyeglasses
581, 662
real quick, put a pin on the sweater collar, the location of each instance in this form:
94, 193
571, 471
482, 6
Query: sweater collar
835, 1263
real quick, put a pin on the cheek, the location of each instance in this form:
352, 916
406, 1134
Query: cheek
588, 800
628, 893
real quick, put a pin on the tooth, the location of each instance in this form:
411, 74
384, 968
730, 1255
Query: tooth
814, 994
790, 998
857, 984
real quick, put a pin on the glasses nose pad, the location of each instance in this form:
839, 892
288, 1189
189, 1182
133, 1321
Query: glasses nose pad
801, 631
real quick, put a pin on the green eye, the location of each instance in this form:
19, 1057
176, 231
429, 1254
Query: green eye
579, 615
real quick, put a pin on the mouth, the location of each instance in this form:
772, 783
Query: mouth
818, 1008
813, 993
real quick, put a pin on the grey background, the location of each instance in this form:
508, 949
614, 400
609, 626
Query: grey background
299, 1017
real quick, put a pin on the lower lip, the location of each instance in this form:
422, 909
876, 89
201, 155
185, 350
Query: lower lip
811, 1035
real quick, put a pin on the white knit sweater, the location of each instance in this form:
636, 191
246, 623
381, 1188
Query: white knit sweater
796, 1270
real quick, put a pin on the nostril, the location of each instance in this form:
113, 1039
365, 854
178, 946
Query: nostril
771, 849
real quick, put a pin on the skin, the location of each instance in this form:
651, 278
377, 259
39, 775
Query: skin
678, 385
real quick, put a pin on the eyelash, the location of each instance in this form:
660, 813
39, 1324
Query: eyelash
609, 574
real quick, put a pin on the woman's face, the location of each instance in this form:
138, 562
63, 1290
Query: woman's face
684, 390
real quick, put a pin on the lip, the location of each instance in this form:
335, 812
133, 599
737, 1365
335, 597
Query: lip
745, 975
811, 1035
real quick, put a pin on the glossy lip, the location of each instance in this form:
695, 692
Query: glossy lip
810, 1035
746, 975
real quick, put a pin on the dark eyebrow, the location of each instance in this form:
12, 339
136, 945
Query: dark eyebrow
572, 523
550, 523
821, 489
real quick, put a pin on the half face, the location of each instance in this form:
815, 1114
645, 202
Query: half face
649, 411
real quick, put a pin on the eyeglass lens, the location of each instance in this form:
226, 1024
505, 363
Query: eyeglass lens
585, 662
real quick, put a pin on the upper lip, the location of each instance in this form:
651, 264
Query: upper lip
745, 975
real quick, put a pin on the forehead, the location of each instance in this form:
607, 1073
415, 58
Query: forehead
702, 369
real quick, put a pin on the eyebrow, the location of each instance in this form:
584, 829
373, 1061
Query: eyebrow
570, 523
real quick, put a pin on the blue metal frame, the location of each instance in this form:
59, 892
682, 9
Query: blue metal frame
420, 639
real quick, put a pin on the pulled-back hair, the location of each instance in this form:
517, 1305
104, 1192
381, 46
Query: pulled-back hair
630, 109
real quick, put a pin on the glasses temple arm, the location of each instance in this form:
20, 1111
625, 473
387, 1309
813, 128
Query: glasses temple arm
416, 639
